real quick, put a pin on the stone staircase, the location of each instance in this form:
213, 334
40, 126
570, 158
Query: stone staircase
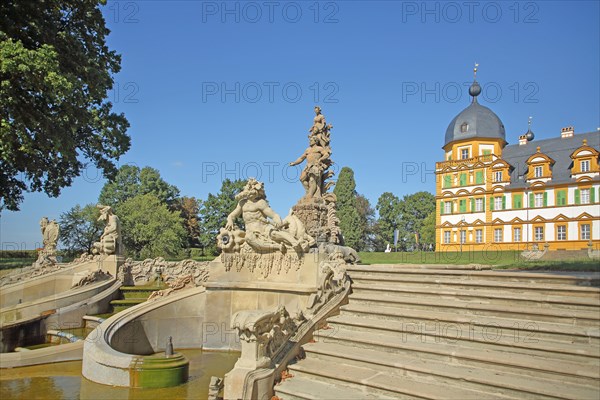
133, 295
411, 333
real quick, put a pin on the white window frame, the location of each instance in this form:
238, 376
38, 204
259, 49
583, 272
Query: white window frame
585, 196
498, 233
498, 203
478, 235
561, 232
585, 165
517, 235
447, 237
538, 199
479, 204
538, 233
463, 236
585, 231
498, 176
448, 207
538, 171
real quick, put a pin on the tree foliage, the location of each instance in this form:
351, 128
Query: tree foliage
80, 228
130, 182
149, 228
428, 230
55, 73
189, 208
388, 206
351, 224
367, 221
214, 211
406, 215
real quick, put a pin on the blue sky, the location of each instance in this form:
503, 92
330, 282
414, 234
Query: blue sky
227, 89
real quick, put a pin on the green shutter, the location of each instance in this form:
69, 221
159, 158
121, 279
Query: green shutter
491, 204
441, 208
561, 198
487, 153
517, 201
447, 181
504, 202
531, 203
479, 177
463, 179
472, 205
577, 196
592, 195
545, 199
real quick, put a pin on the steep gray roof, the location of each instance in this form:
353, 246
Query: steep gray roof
481, 121
558, 149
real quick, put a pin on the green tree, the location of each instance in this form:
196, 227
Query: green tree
414, 208
388, 207
189, 208
80, 228
428, 230
214, 211
130, 181
367, 220
55, 74
351, 224
149, 228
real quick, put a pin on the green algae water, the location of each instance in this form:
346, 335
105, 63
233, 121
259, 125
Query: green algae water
63, 381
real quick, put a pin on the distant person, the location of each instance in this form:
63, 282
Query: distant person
388, 249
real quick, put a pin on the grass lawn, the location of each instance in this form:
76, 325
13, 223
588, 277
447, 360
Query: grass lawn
10, 263
430, 257
498, 259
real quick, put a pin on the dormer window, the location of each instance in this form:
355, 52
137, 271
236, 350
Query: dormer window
464, 128
585, 166
538, 172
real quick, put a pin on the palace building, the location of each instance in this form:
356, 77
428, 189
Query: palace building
544, 192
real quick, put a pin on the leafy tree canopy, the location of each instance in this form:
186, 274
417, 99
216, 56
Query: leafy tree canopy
189, 208
80, 228
130, 181
149, 228
351, 223
388, 206
214, 211
55, 73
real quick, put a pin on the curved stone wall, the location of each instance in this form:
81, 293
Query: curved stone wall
115, 349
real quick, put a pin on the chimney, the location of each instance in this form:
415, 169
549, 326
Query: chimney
567, 132
522, 140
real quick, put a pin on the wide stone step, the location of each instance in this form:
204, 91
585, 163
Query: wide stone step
548, 314
483, 325
464, 335
297, 388
509, 384
397, 271
455, 354
383, 384
489, 296
436, 283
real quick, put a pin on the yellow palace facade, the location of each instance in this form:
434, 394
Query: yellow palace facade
544, 192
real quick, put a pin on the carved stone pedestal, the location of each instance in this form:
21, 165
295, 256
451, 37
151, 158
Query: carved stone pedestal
314, 217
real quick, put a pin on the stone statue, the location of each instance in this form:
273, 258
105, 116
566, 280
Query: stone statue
110, 241
317, 208
50, 231
265, 230
316, 157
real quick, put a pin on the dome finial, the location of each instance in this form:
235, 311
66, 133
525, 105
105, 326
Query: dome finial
529, 135
475, 89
